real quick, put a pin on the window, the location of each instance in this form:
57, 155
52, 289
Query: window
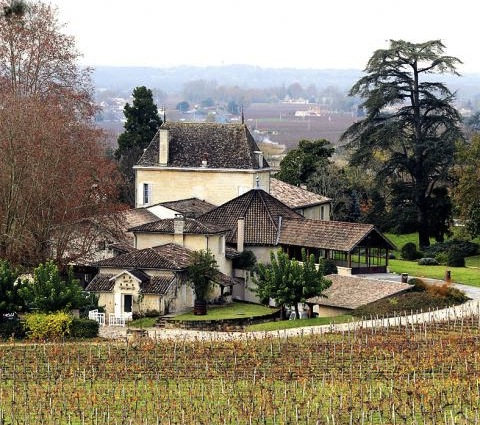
147, 193
322, 213
221, 245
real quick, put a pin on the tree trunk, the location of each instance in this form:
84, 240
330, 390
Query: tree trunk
200, 308
297, 313
423, 230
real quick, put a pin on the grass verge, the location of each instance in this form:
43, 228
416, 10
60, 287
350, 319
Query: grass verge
302, 323
144, 322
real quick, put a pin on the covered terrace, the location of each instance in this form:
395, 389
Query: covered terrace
359, 248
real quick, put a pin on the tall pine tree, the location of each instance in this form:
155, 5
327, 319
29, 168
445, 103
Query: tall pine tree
411, 123
142, 124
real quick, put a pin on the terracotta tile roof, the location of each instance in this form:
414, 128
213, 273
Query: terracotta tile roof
130, 218
192, 226
163, 257
295, 197
136, 216
148, 285
335, 235
141, 276
222, 145
101, 283
191, 207
351, 292
224, 280
157, 285
121, 248
261, 212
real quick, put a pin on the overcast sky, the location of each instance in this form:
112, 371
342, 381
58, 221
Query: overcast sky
266, 33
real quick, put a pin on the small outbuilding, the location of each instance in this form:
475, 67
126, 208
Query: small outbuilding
350, 292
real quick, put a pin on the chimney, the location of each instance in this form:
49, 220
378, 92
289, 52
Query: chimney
163, 147
240, 234
178, 229
259, 155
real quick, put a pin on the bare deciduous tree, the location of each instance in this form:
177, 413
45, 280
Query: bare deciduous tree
52, 169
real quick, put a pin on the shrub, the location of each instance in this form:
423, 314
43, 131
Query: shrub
409, 252
466, 247
328, 266
246, 260
448, 292
419, 285
427, 261
456, 257
11, 328
148, 313
441, 257
84, 328
41, 326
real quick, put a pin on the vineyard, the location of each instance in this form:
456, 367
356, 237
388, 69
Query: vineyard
416, 374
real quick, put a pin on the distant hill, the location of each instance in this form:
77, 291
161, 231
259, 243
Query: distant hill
245, 76
171, 80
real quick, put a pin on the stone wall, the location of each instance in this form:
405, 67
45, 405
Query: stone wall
226, 325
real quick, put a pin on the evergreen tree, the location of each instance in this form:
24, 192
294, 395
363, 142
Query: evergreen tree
50, 292
301, 163
142, 123
10, 299
410, 123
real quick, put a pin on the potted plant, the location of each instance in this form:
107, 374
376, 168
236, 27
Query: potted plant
202, 274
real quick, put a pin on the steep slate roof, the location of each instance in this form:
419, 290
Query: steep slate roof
222, 145
149, 284
192, 226
335, 235
192, 207
295, 197
163, 257
261, 212
351, 292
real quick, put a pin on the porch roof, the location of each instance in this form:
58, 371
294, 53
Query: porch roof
333, 235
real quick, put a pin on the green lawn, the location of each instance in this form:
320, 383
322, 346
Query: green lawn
144, 322
400, 240
469, 275
465, 275
473, 261
302, 323
231, 311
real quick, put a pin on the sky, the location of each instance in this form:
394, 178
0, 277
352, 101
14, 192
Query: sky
338, 34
